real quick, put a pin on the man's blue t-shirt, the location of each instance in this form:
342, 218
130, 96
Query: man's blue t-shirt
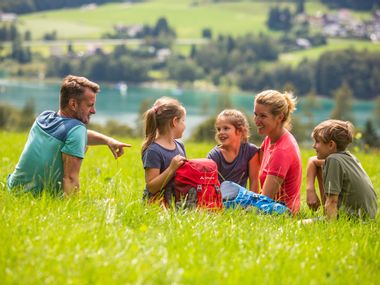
40, 165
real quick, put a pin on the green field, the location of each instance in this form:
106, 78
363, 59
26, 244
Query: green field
235, 18
294, 58
106, 236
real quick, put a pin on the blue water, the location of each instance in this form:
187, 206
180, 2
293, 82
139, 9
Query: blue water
117, 103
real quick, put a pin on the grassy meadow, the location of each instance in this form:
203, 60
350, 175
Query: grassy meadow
188, 19
106, 236
234, 18
294, 58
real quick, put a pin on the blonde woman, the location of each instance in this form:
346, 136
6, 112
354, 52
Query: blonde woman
280, 172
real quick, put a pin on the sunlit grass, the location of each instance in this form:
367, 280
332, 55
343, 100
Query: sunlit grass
293, 58
107, 236
187, 18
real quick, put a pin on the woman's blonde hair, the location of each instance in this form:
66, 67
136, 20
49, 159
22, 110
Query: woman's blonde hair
341, 132
279, 103
237, 119
159, 118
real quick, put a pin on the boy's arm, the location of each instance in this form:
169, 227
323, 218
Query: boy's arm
321, 185
314, 169
331, 207
253, 168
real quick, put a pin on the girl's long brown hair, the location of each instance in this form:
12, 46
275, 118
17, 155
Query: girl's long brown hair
159, 118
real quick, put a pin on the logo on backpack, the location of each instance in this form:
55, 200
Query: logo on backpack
196, 184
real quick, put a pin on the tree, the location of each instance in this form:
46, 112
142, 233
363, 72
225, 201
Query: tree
144, 106
162, 28
27, 115
28, 35
309, 104
300, 7
359, 69
52, 36
343, 103
207, 33
13, 32
70, 48
280, 19
370, 137
19, 53
193, 51
182, 71
377, 112
224, 98
205, 131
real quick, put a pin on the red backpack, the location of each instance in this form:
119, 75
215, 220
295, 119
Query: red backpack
196, 184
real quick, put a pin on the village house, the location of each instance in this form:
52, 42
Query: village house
8, 17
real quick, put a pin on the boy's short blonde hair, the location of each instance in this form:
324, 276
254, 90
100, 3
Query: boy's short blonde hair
341, 132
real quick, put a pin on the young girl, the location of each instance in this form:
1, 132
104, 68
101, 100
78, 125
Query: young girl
237, 159
161, 153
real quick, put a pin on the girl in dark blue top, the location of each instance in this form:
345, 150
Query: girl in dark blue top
237, 159
161, 152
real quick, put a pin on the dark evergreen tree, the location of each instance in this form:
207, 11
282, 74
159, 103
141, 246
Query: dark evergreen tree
370, 136
343, 104
280, 19
28, 35
300, 6
207, 33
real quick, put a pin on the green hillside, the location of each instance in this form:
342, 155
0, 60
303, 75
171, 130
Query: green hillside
188, 19
235, 18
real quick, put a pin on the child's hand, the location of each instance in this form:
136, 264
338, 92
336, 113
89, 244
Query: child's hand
312, 200
176, 162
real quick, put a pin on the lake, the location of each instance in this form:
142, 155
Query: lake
122, 103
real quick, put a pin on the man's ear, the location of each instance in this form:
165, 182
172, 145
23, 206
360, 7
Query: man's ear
73, 104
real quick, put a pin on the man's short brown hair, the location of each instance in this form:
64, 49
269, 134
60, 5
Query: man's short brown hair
74, 87
341, 132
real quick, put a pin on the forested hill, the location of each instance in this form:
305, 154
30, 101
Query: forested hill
352, 4
28, 6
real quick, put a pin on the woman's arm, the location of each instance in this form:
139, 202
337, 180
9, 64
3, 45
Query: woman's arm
253, 168
272, 186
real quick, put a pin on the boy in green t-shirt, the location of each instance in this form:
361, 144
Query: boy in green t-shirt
343, 183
